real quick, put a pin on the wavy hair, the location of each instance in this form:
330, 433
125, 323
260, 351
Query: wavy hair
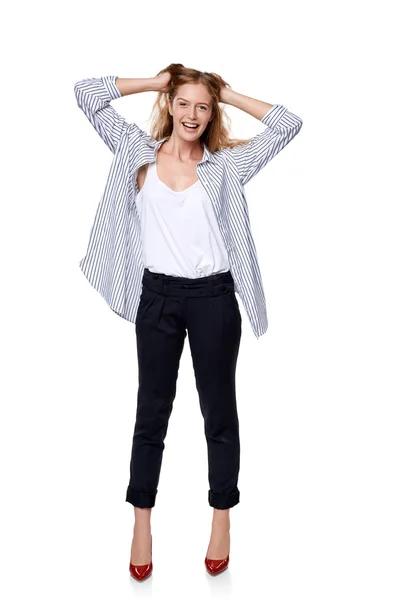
216, 136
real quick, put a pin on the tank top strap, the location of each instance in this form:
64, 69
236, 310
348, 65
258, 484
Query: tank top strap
150, 179
151, 168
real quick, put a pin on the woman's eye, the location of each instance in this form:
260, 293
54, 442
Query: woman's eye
183, 103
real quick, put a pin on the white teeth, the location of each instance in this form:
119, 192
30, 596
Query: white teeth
190, 126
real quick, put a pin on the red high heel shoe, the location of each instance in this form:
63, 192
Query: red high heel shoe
215, 566
141, 572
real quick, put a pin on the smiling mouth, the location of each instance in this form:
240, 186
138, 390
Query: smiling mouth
191, 128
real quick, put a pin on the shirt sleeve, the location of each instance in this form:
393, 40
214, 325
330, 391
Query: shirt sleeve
281, 127
93, 96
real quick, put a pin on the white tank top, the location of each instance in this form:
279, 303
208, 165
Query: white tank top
179, 230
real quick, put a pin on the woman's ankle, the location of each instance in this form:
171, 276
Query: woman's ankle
221, 518
142, 519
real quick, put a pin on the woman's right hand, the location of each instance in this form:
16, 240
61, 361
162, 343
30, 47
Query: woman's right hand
162, 82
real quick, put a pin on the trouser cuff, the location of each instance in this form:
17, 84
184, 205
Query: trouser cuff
140, 499
223, 501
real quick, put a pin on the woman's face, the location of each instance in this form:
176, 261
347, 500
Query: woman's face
192, 105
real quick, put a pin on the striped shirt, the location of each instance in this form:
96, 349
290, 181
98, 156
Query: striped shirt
113, 263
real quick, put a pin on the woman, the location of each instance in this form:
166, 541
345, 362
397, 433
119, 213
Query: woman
170, 245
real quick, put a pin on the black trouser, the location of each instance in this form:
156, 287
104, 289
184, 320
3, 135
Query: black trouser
208, 309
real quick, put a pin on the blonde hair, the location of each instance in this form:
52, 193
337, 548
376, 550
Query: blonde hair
216, 135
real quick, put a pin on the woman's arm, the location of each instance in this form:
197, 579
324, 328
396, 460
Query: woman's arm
128, 86
281, 127
94, 96
255, 108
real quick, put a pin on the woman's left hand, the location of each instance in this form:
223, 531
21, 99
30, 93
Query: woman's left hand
222, 88
222, 93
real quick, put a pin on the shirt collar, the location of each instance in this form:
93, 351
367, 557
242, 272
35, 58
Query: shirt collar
208, 155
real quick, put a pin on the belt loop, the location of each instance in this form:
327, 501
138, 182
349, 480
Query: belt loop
156, 281
164, 286
211, 286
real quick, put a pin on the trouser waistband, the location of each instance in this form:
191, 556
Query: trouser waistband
173, 285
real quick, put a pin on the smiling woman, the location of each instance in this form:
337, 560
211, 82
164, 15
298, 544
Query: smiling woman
192, 97
169, 257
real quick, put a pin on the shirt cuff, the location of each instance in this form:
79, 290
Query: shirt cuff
109, 84
274, 115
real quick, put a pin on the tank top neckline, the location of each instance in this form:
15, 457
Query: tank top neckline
167, 187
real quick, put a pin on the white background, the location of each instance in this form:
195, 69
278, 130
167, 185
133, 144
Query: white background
318, 394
